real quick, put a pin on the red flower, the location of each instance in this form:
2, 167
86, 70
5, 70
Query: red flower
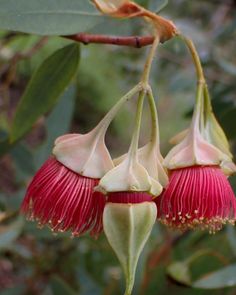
64, 200
197, 197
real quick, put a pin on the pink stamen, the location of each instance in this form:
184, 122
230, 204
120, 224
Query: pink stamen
197, 197
64, 200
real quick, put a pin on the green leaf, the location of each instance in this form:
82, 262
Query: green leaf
12, 201
14, 291
60, 287
227, 66
10, 233
45, 88
5, 146
231, 235
23, 161
158, 5
179, 271
4, 142
57, 123
44, 17
222, 278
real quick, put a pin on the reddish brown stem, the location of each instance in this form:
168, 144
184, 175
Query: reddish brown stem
132, 41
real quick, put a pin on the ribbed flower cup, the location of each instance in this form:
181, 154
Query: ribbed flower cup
199, 195
62, 193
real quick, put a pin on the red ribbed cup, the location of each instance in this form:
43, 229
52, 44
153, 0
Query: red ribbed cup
64, 200
197, 197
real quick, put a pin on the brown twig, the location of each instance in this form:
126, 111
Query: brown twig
132, 41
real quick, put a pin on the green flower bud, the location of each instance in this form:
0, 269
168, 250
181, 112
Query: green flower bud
127, 228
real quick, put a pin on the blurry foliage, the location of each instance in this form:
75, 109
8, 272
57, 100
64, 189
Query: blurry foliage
34, 261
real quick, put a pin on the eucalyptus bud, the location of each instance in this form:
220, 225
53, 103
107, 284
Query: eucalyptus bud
127, 227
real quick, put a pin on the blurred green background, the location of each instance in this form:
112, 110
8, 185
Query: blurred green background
34, 261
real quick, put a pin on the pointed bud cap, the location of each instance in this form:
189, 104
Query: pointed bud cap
228, 167
129, 175
151, 159
193, 150
214, 135
85, 154
127, 228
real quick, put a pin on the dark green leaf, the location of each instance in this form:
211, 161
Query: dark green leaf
57, 123
5, 146
44, 17
13, 291
12, 201
231, 234
23, 161
4, 143
222, 278
45, 88
179, 271
9, 233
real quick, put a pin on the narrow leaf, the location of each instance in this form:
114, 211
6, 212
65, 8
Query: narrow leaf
45, 88
57, 123
19, 290
10, 233
222, 278
180, 272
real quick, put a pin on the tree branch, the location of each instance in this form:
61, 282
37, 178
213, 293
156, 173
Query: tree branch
132, 41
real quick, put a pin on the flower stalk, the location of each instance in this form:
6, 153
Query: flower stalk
145, 89
196, 58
